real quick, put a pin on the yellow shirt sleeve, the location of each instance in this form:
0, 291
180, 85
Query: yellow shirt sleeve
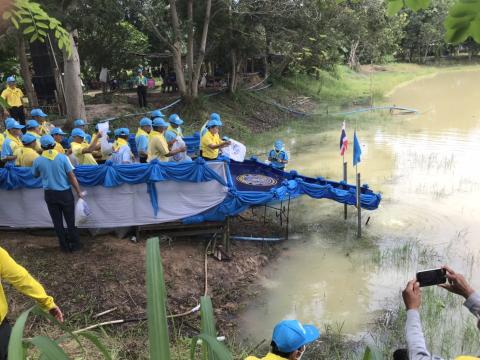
4, 94
77, 149
19, 278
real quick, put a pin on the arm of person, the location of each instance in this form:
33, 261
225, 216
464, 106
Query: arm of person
457, 284
176, 151
93, 145
417, 348
142, 146
68, 167
219, 146
21, 280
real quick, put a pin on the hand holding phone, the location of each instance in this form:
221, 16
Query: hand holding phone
431, 277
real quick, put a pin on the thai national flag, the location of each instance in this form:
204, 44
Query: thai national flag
343, 141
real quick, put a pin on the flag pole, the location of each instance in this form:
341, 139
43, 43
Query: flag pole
359, 207
344, 179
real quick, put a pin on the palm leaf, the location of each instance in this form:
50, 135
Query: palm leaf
15, 345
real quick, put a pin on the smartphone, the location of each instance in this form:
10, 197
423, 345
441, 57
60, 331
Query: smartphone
431, 277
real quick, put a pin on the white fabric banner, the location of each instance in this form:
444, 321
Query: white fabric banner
125, 205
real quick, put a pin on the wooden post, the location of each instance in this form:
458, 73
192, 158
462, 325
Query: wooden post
345, 179
226, 236
359, 208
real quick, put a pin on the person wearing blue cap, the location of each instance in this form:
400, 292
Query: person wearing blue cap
81, 149
289, 340
213, 116
80, 124
58, 135
26, 155
33, 128
158, 147
12, 140
141, 84
122, 154
41, 117
14, 98
174, 130
156, 113
278, 157
141, 138
56, 172
210, 142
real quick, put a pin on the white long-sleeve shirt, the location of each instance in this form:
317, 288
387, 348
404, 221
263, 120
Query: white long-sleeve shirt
417, 349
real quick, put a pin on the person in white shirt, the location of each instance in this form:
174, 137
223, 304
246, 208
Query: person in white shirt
121, 150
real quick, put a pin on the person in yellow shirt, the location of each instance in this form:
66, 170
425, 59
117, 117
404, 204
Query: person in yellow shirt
33, 128
41, 117
210, 142
289, 340
12, 140
81, 150
13, 96
157, 146
20, 279
27, 154
58, 134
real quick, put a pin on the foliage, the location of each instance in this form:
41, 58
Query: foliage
36, 23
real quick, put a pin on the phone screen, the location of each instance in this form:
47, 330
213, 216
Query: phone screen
431, 277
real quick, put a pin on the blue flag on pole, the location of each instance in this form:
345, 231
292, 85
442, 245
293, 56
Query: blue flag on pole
357, 150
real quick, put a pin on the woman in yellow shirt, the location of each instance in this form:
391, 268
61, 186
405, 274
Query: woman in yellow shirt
210, 142
81, 150
27, 154
21, 280
157, 145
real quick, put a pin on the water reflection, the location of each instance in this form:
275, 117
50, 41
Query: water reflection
426, 167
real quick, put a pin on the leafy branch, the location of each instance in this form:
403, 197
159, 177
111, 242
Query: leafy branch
36, 23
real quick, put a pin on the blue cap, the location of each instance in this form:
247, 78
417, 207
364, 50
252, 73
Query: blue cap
279, 145
175, 119
57, 131
215, 116
47, 140
78, 132
11, 123
290, 335
38, 112
79, 122
159, 122
156, 113
32, 124
214, 122
122, 132
145, 122
11, 79
28, 138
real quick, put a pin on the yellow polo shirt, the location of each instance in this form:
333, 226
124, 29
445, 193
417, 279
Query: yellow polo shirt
59, 148
25, 156
157, 147
207, 139
13, 96
269, 356
83, 159
21, 280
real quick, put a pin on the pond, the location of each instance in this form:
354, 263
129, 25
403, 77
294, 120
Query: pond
427, 168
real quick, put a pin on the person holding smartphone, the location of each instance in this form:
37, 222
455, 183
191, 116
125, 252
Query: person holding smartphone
412, 297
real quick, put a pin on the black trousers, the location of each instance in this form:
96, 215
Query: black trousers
142, 96
5, 330
17, 113
61, 205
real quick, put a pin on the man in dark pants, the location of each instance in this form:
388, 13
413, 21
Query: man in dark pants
58, 178
141, 82
13, 96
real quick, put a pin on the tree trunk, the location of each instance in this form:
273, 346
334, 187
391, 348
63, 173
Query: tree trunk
25, 71
201, 50
73, 85
177, 50
233, 81
190, 48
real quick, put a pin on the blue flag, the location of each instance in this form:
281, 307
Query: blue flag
357, 150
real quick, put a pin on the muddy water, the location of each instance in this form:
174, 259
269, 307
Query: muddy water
427, 167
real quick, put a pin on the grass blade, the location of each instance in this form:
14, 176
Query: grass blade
15, 345
49, 348
219, 349
156, 303
95, 341
207, 326
371, 354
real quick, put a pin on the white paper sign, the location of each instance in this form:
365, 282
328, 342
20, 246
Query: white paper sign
236, 151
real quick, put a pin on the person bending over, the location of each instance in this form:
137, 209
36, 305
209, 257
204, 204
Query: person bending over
21, 280
289, 340
412, 297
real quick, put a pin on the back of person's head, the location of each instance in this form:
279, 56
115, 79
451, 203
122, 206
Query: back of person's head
47, 142
290, 337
